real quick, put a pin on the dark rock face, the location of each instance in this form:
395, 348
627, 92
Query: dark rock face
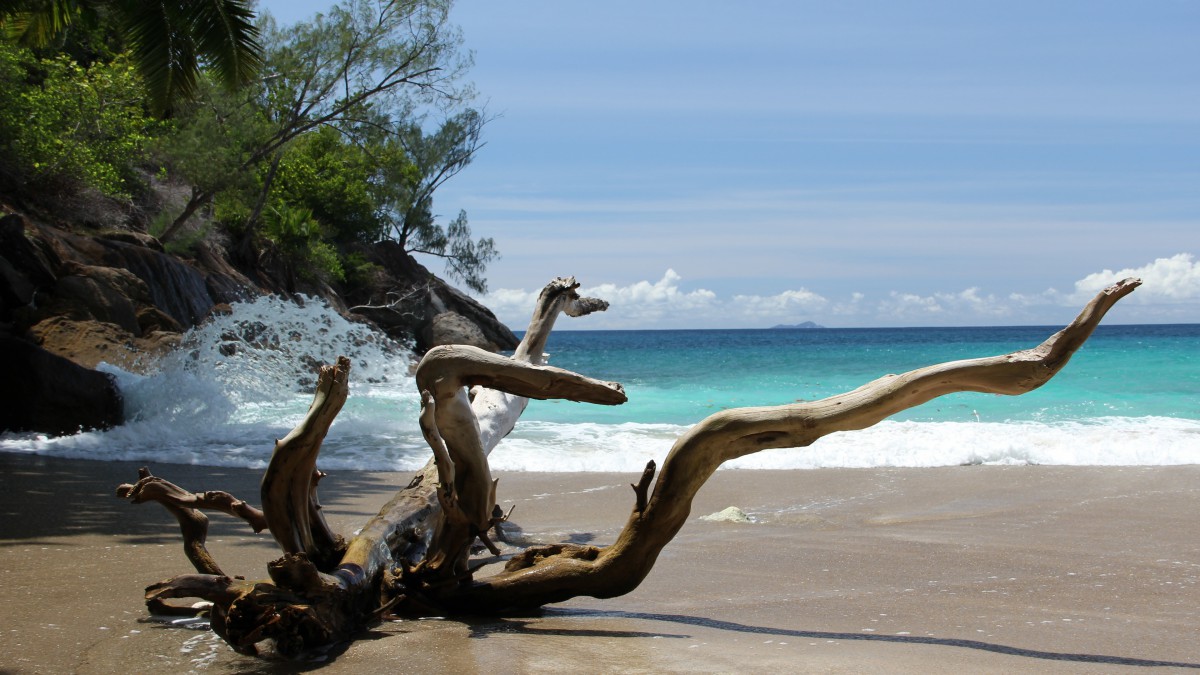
174, 286
26, 265
100, 293
70, 300
50, 394
88, 343
451, 328
405, 300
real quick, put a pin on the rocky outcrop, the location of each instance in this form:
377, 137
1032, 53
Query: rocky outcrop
118, 297
50, 394
174, 287
406, 300
90, 343
69, 302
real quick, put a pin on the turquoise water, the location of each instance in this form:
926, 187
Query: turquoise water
1131, 396
681, 376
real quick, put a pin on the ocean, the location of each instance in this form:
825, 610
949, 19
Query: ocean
1131, 396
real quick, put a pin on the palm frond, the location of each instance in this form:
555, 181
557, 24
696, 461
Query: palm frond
163, 49
35, 23
226, 38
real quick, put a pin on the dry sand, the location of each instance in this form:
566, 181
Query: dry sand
960, 569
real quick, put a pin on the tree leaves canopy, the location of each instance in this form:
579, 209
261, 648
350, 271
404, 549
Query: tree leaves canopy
170, 40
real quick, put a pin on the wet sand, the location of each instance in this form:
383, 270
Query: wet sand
957, 569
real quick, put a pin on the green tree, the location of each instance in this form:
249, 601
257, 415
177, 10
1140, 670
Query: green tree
363, 61
335, 179
169, 41
63, 125
410, 180
207, 146
335, 129
300, 238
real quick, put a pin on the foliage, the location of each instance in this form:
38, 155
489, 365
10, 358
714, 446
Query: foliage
168, 41
466, 259
63, 124
298, 235
210, 139
334, 179
183, 245
428, 161
360, 117
337, 131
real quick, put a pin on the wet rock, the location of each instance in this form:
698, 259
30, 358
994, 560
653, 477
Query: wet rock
101, 293
151, 319
30, 256
50, 394
89, 343
136, 238
174, 286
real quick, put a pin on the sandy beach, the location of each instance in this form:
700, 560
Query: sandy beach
958, 569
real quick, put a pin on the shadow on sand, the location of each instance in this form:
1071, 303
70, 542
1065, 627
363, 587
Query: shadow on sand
483, 629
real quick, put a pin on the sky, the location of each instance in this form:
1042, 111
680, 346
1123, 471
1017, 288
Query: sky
863, 163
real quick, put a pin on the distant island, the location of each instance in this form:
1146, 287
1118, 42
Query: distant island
795, 326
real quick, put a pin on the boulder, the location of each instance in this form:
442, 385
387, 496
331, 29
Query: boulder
50, 394
26, 267
405, 300
104, 294
89, 343
174, 286
451, 328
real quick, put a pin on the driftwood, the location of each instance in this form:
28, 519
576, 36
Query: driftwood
414, 556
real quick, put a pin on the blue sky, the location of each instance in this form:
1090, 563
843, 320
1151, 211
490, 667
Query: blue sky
721, 164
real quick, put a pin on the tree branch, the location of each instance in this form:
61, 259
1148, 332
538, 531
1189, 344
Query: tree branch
185, 506
729, 434
289, 486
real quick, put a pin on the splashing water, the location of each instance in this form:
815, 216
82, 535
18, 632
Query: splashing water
246, 378
242, 380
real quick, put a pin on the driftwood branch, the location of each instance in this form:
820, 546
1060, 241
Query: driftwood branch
187, 509
413, 555
289, 486
535, 580
418, 544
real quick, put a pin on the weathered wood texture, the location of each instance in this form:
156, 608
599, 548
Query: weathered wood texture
414, 555
559, 572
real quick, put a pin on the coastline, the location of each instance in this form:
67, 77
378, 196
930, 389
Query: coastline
978, 568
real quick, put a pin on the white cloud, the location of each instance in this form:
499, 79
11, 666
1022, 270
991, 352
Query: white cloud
664, 304
1171, 293
1174, 279
780, 307
901, 305
512, 306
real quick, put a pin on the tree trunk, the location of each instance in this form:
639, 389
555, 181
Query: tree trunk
198, 199
414, 556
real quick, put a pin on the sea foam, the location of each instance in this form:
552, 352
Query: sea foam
243, 380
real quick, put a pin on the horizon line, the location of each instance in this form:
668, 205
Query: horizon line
821, 328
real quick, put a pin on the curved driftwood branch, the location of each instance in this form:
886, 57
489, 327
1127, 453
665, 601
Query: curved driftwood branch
424, 533
553, 574
471, 399
289, 485
186, 507
413, 555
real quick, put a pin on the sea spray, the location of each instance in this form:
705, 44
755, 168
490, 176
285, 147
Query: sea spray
1129, 397
243, 379
257, 360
